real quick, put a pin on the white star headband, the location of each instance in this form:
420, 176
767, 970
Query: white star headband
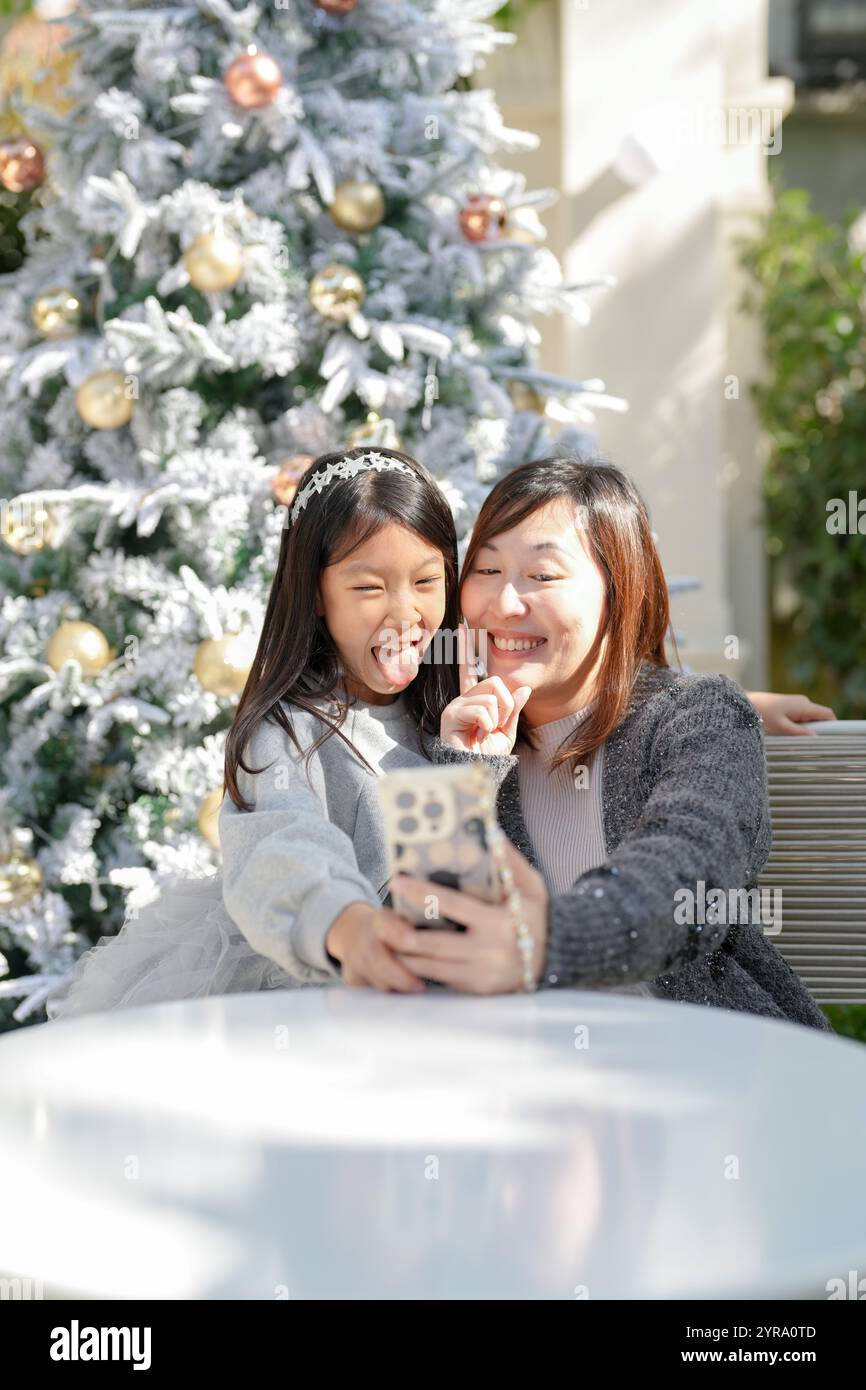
344, 468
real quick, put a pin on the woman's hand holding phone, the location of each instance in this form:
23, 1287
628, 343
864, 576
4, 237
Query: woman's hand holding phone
483, 718
357, 939
485, 958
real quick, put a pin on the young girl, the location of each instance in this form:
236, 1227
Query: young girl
338, 693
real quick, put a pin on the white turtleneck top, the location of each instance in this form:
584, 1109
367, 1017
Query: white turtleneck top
563, 814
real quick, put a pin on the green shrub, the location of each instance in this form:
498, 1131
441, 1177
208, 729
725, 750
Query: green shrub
808, 287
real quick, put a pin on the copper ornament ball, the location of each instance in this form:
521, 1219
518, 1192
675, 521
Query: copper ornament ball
483, 217
22, 167
253, 80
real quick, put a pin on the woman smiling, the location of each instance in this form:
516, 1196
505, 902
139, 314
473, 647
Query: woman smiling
628, 782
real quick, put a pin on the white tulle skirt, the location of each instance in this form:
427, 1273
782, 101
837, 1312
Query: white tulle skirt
181, 946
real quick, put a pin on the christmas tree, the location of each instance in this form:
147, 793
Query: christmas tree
260, 233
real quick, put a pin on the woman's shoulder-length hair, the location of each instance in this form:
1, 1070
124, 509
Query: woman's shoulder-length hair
615, 527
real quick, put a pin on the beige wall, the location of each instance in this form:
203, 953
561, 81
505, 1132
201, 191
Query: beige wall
671, 84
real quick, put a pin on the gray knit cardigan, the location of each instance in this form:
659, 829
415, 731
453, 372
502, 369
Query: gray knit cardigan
684, 799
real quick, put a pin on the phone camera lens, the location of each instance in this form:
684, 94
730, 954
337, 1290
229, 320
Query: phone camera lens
408, 824
406, 799
433, 808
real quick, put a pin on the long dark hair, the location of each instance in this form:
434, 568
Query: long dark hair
296, 660
619, 539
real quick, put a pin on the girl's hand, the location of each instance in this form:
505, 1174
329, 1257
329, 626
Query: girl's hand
782, 714
485, 959
483, 718
355, 940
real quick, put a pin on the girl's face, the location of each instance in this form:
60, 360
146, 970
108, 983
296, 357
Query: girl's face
538, 585
382, 604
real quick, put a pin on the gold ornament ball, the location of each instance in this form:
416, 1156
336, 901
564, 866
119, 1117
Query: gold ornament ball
20, 878
523, 396
337, 292
375, 432
358, 206
208, 817
253, 80
27, 526
22, 167
214, 262
222, 664
524, 235
81, 642
34, 70
284, 483
57, 313
102, 401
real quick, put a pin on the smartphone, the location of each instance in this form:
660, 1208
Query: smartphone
439, 825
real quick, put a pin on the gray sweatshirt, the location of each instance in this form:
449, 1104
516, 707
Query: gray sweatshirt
291, 865
309, 848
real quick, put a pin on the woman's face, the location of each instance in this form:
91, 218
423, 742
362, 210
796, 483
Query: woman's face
382, 604
538, 583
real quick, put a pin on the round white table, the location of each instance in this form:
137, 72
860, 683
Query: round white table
336, 1143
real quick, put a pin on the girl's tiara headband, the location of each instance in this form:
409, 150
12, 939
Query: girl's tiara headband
343, 468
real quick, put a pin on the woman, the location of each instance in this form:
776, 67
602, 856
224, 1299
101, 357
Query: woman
636, 790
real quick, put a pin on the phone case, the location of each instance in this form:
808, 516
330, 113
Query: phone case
439, 825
